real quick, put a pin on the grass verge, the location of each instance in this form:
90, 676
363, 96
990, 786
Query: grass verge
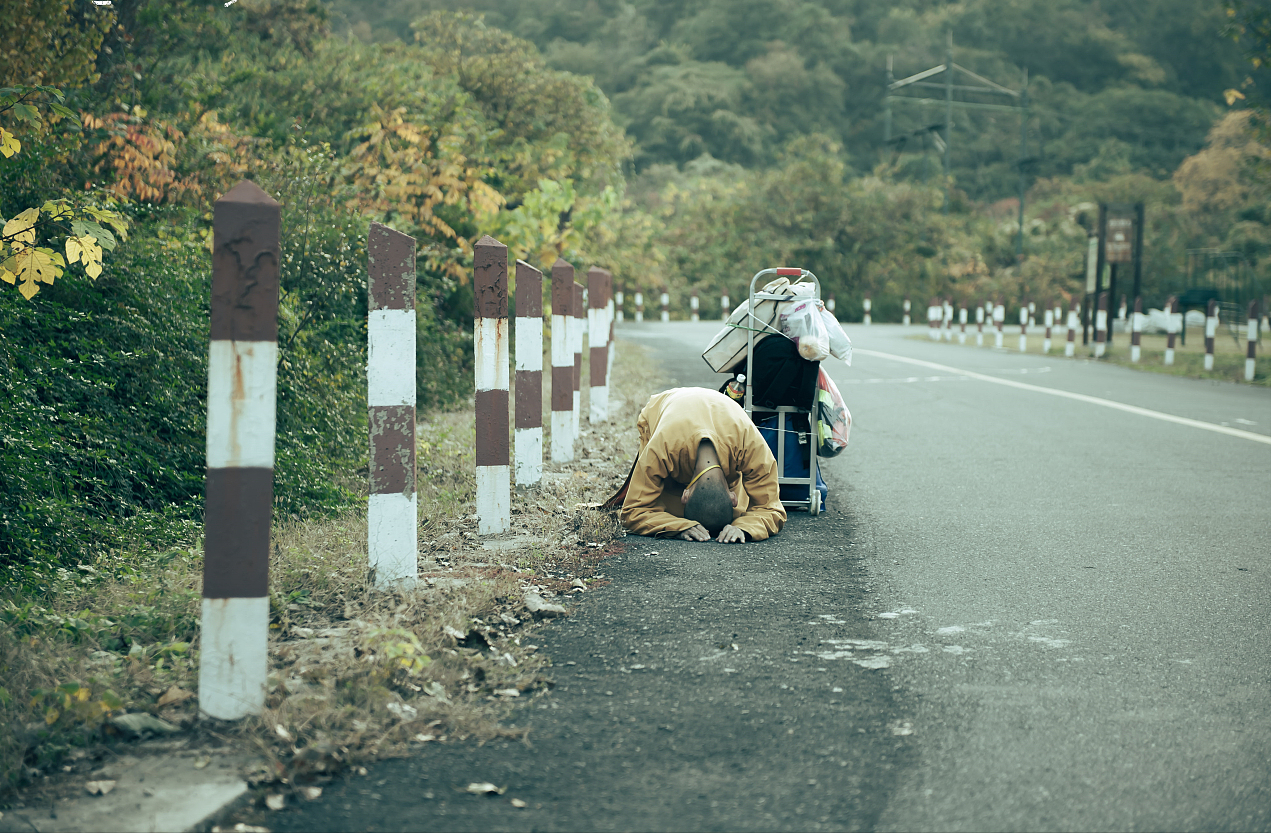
355, 674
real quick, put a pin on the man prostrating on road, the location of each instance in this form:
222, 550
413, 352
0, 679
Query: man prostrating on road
704, 472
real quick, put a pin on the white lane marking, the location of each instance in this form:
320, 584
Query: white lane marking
906, 380
1080, 397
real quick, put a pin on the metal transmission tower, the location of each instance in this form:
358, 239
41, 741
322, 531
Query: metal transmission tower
975, 85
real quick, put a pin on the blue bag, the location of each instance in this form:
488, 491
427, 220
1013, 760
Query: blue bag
796, 462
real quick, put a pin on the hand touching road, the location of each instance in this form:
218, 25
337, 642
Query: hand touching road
729, 535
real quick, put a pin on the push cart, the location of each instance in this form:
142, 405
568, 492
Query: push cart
785, 413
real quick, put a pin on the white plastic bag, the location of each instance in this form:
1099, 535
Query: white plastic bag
840, 344
802, 324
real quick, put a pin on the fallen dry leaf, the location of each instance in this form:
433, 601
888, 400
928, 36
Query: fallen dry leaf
276, 801
518, 804
485, 788
311, 793
174, 695
282, 732
202, 763
99, 787
422, 738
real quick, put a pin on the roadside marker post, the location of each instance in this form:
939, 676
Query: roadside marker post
829, 304
578, 327
979, 326
1070, 348
619, 301
1136, 330
1171, 330
904, 318
242, 398
563, 360
947, 310
639, 302
1211, 330
962, 323
529, 376
867, 303
494, 475
933, 320
612, 344
1048, 318
724, 307
1121, 311
1023, 328
1251, 335
666, 307
1032, 312
598, 342
999, 321
693, 306
1059, 312
1101, 326
392, 506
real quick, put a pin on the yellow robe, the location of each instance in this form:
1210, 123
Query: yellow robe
672, 425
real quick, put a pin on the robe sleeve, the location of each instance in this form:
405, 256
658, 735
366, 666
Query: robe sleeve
642, 512
765, 515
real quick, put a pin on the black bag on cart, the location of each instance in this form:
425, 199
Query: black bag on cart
781, 376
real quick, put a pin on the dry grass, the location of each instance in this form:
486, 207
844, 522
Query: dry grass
355, 674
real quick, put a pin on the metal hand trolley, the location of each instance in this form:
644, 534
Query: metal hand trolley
784, 412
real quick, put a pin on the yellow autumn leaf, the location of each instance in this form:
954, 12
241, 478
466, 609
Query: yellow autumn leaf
6, 275
8, 144
85, 248
32, 266
21, 229
1233, 96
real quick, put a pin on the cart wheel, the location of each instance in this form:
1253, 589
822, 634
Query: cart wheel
814, 505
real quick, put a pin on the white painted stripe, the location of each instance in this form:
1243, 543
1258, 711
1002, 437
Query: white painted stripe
494, 499
1209, 359
529, 456
597, 328
562, 441
1211, 326
392, 539
529, 344
491, 357
1079, 397
562, 356
242, 382
390, 357
1136, 353
576, 416
1249, 370
599, 403
233, 657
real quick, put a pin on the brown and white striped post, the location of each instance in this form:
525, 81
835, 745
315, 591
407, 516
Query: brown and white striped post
962, 322
1171, 330
392, 506
1251, 335
1023, 327
529, 375
724, 307
666, 306
1211, 330
598, 343
1121, 311
999, 320
1070, 347
692, 306
639, 302
868, 305
947, 311
1048, 319
580, 326
829, 305
1059, 312
1032, 313
1101, 326
904, 306
979, 326
618, 307
242, 402
933, 320
1136, 330
563, 361
611, 346
494, 475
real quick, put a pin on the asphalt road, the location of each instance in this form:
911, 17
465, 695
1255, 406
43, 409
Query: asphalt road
1023, 611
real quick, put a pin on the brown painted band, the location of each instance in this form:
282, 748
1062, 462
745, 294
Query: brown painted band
390, 268
493, 442
1252, 353
1135, 338
529, 399
238, 511
1209, 346
392, 432
562, 283
245, 256
490, 277
529, 291
563, 388
599, 365
577, 374
597, 297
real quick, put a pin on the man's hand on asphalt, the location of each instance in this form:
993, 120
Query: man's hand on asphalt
697, 533
731, 535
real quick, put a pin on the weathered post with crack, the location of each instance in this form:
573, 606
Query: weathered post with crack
562, 361
529, 375
392, 506
241, 408
494, 477
598, 342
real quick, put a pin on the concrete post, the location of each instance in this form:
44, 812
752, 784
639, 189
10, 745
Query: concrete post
904, 318
392, 506
692, 305
639, 301
494, 475
724, 307
1251, 336
1101, 326
962, 323
933, 320
563, 361
1048, 318
1136, 331
1070, 348
529, 375
579, 327
979, 326
1211, 330
598, 342
666, 307
829, 305
999, 320
1023, 327
241, 407
1171, 330
868, 304
619, 305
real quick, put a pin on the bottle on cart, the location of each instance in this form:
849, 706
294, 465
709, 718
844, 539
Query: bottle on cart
736, 389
